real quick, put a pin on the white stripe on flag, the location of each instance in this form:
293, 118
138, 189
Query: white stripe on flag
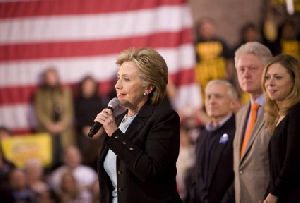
73, 69
89, 27
17, 116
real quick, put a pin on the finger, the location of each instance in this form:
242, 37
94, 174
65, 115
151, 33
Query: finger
107, 111
100, 117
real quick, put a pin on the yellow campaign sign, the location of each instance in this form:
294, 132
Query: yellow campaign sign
19, 149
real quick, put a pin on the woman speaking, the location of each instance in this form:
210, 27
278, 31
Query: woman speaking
138, 159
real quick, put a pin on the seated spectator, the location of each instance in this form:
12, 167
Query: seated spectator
17, 190
85, 176
95, 190
70, 191
35, 176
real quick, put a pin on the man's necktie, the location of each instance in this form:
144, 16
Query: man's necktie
251, 123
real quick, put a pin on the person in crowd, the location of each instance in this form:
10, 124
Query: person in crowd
185, 159
4, 132
214, 162
251, 165
212, 54
6, 167
141, 146
288, 40
249, 33
70, 191
34, 173
84, 175
95, 191
281, 85
17, 189
54, 111
87, 104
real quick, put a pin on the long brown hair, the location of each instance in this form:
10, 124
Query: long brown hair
272, 111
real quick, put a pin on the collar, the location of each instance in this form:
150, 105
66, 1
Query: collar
211, 127
260, 100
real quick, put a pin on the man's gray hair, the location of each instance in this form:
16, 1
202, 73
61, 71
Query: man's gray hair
255, 48
231, 89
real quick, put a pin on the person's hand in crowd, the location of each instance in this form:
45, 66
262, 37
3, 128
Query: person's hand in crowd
56, 127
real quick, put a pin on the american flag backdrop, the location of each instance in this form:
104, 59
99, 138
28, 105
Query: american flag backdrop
82, 37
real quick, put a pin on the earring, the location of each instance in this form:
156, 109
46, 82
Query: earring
145, 93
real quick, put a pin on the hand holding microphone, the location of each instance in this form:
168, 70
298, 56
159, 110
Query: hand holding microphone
106, 118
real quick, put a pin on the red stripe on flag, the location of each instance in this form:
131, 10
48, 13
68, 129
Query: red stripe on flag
92, 48
24, 94
76, 7
21, 131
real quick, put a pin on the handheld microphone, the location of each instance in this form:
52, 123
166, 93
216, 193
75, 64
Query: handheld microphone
112, 104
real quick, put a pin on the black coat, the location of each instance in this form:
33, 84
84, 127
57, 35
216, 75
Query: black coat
146, 157
214, 174
284, 156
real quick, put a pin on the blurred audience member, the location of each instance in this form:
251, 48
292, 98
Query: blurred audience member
85, 176
5, 168
214, 162
212, 54
251, 140
171, 92
4, 133
281, 84
17, 190
71, 192
54, 111
288, 41
87, 104
95, 189
249, 33
185, 159
35, 176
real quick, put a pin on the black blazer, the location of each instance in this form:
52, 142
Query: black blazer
214, 174
146, 157
284, 157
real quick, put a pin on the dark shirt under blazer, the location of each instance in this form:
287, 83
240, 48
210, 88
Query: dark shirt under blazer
146, 157
284, 154
214, 164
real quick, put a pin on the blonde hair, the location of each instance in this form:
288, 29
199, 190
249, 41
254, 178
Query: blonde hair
153, 69
272, 111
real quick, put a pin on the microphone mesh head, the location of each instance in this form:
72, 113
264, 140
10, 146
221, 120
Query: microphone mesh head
114, 102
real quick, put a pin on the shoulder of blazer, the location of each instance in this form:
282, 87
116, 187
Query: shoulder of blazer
156, 111
243, 109
242, 112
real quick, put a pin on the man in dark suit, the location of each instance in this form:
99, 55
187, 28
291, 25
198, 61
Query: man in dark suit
214, 161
